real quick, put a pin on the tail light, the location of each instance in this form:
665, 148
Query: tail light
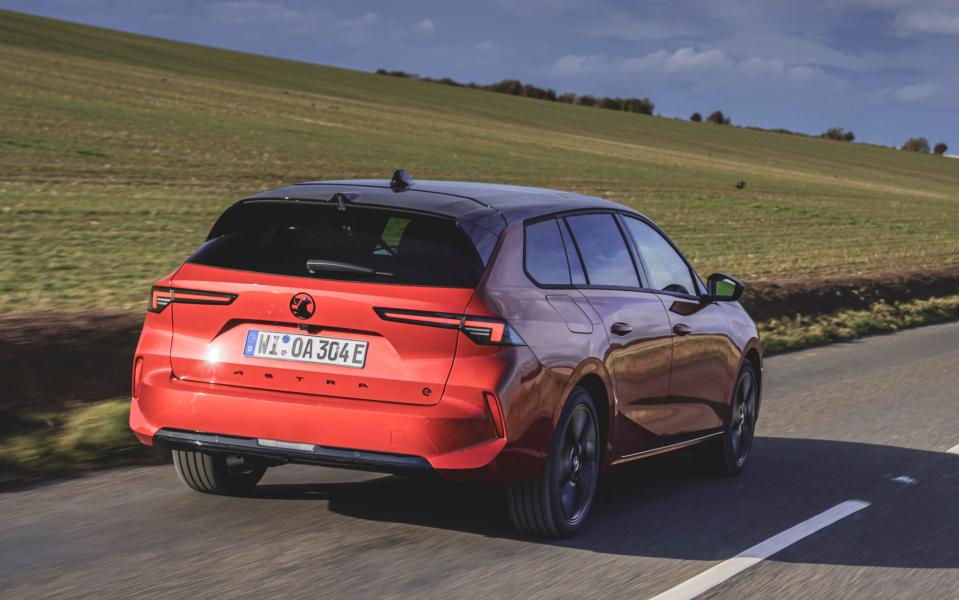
162, 296
482, 330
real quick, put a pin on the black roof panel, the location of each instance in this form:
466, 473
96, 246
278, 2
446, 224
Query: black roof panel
452, 198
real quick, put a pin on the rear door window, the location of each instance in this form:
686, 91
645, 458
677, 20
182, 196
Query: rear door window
384, 246
545, 254
604, 251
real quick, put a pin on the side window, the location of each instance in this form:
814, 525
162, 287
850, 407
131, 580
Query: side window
604, 250
667, 269
545, 254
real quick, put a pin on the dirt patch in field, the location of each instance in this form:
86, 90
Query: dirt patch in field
808, 296
48, 359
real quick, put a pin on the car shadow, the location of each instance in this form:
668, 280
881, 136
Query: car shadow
663, 507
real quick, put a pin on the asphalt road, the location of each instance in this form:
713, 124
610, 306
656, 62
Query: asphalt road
838, 423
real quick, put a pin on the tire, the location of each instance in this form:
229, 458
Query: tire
728, 455
557, 504
216, 473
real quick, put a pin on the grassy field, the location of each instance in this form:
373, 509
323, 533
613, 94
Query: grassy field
81, 437
117, 152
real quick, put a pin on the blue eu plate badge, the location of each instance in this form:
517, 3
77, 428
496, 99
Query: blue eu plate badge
250, 345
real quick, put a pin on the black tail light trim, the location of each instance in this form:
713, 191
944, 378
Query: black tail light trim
487, 331
163, 296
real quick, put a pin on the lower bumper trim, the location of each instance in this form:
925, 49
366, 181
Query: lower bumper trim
173, 439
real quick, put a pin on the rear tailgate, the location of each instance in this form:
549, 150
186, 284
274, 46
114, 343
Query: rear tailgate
263, 257
401, 363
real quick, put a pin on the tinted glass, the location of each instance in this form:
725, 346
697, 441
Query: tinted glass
667, 269
545, 254
572, 256
402, 248
603, 250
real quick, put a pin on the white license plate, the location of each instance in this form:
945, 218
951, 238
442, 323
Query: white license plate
305, 348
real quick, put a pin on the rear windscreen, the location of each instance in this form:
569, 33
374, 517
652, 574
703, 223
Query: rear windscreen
391, 246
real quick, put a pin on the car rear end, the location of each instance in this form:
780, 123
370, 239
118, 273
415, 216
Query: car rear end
326, 332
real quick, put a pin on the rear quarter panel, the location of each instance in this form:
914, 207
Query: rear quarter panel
560, 349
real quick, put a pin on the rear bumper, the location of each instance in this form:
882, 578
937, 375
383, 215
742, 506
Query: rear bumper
169, 439
453, 436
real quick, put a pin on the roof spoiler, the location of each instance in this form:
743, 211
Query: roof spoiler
400, 181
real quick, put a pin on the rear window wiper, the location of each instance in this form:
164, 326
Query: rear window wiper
316, 265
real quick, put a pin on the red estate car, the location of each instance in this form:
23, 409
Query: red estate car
507, 334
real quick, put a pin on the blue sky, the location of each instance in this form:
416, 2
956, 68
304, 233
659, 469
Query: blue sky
886, 69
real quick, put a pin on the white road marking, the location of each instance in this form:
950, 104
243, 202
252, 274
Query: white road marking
905, 479
953, 450
727, 569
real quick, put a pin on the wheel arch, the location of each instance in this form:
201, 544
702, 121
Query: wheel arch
754, 355
593, 376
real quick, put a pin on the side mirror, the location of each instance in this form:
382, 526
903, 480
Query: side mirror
724, 288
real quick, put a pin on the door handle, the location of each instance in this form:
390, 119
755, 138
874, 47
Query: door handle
621, 328
682, 329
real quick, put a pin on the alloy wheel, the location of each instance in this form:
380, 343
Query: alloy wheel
744, 417
578, 464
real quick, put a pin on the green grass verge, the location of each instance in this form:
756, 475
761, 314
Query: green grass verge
801, 331
118, 151
81, 438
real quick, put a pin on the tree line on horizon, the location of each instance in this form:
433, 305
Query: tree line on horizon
515, 87
921, 144
644, 106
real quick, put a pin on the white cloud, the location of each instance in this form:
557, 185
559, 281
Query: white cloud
684, 60
800, 73
649, 62
578, 64
926, 23
688, 59
536, 7
697, 66
486, 47
253, 11
918, 92
293, 21
910, 17
876, 5
778, 70
624, 27
366, 20
425, 26
760, 67
794, 49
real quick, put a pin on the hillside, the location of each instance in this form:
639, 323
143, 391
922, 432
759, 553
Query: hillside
118, 151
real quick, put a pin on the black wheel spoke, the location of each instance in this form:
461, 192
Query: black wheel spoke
567, 498
578, 463
580, 421
744, 415
589, 447
747, 391
589, 472
564, 470
569, 436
